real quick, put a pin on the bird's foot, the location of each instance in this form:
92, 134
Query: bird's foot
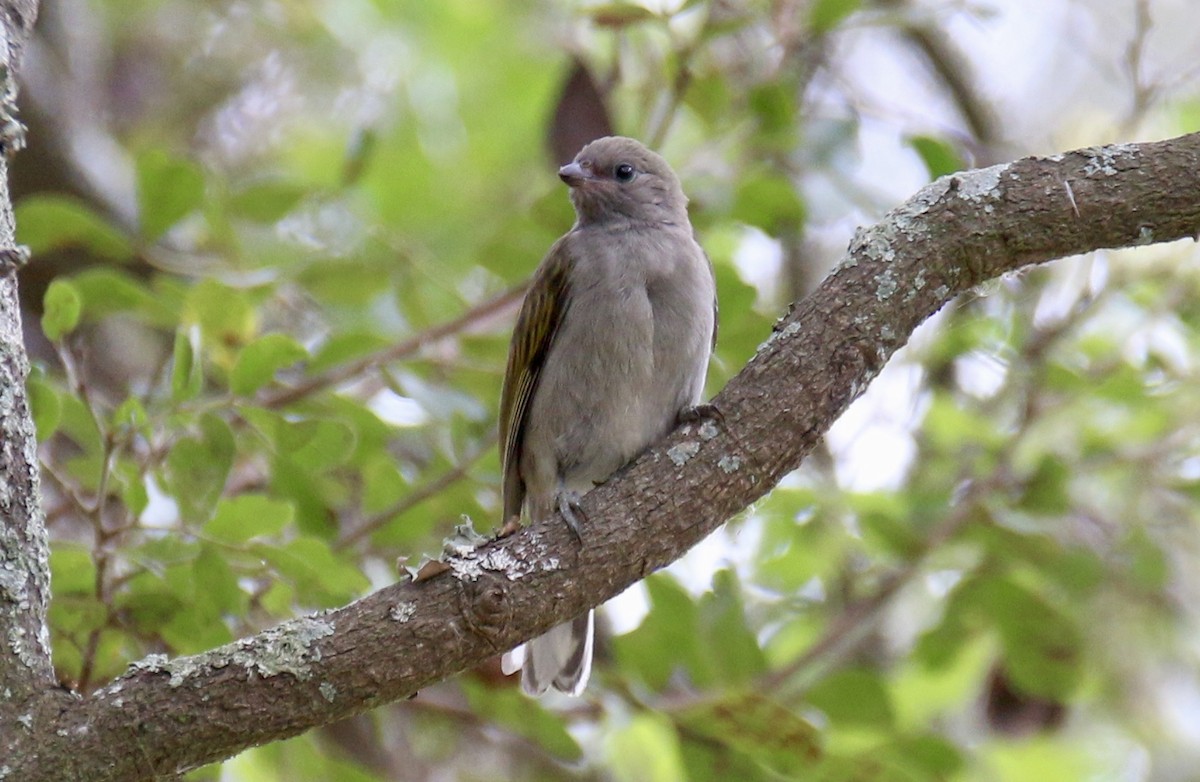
700, 412
511, 526
568, 506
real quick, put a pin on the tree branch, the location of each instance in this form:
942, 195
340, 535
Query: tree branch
166, 715
24, 556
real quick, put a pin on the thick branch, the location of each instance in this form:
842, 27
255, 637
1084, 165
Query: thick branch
24, 562
165, 715
16, 20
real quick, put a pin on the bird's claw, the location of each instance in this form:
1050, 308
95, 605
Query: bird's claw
511, 526
568, 506
704, 410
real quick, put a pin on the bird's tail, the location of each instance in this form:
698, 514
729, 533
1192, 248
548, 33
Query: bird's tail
561, 658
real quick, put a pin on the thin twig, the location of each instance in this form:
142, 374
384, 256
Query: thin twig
344, 372
415, 498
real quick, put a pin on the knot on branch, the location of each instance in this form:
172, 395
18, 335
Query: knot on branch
485, 606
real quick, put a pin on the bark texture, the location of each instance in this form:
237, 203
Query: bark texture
25, 670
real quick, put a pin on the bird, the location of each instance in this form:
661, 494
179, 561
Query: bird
610, 351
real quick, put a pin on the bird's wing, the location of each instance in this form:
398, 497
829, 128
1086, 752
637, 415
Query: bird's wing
538, 322
716, 309
716, 324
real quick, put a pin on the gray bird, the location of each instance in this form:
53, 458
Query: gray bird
610, 348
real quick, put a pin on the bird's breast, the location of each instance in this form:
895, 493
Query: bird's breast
631, 351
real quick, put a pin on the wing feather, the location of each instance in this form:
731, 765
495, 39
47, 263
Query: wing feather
538, 322
716, 309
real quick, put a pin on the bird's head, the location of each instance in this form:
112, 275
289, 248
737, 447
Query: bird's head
617, 179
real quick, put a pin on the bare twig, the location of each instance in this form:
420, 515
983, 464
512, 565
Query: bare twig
339, 374
416, 497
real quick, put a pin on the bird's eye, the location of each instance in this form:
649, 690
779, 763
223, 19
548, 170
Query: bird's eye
623, 172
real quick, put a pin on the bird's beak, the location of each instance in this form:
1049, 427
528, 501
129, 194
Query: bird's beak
574, 174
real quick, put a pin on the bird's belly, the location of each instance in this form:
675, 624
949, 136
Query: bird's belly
601, 404
601, 440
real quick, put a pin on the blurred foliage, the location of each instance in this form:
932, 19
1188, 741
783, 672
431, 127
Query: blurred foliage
280, 245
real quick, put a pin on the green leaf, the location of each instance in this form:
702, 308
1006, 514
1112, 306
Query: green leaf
247, 516
742, 328
79, 426
355, 282
168, 190
131, 486
267, 423
416, 525
267, 202
320, 576
316, 444
824, 15
709, 96
129, 416
855, 696
258, 362
1148, 564
1044, 760
933, 755
106, 291
72, 570
902, 759
1046, 491
770, 202
148, 602
709, 761
1043, 648
729, 644
186, 378
793, 554
61, 309
383, 483
760, 728
345, 346
297, 480
774, 106
645, 750
279, 599
44, 404
197, 468
887, 521
197, 585
51, 222
666, 639
951, 426
216, 583
939, 156
225, 314
191, 630
73, 618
